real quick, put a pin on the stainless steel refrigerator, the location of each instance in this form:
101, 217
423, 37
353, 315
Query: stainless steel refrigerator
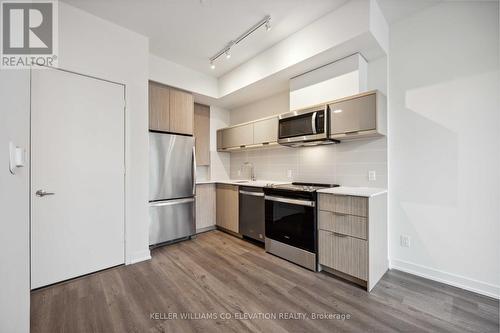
172, 171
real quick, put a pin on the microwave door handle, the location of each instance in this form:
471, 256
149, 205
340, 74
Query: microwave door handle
313, 122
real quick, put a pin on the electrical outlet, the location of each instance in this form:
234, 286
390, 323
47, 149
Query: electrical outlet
289, 173
372, 175
404, 240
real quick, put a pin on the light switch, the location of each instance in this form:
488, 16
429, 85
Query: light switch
372, 175
16, 157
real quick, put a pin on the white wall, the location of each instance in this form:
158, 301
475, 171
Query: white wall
164, 71
265, 107
347, 163
92, 46
444, 144
219, 161
14, 204
345, 77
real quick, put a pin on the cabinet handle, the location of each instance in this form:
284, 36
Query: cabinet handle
242, 146
351, 132
340, 214
339, 235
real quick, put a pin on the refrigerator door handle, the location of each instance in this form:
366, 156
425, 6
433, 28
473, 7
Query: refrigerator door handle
194, 168
171, 202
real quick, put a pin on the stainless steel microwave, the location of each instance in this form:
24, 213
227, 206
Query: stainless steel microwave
306, 127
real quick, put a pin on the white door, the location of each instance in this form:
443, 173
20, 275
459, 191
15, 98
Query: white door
77, 153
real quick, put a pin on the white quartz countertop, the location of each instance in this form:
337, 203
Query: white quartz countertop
355, 191
253, 183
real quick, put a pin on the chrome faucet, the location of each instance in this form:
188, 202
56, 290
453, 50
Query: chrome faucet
252, 171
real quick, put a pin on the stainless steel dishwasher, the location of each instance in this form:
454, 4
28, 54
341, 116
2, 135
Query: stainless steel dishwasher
252, 218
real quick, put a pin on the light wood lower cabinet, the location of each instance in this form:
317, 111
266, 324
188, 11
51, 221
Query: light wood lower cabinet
344, 253
228, 207
205, 206
350, 225
352, 240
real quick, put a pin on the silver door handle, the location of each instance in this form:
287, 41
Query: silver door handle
170, 202
291, 201
255, 194
194, 168
42, 193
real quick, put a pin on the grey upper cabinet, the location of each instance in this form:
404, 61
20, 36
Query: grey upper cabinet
265, 131
237, 136
248, 135
358, 116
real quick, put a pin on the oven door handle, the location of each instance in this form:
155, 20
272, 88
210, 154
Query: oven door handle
255, 194
291, 201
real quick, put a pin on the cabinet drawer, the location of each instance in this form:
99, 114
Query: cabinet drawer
345, 204
343, 253
351, 225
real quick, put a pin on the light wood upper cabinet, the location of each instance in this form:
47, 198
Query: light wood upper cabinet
265, 131
227, 211
363, 115
202, 133
159, 107
170, 110
181, 112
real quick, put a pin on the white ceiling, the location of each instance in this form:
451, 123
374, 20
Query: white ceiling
189, 32
394, 10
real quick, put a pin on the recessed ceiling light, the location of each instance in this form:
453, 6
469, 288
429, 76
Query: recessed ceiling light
337, 111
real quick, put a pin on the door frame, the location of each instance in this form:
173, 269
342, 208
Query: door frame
124, 162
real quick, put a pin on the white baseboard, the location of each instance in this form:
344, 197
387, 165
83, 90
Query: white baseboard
462, 282
138, 257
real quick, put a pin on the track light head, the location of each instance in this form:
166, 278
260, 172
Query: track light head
212, 65
268, 24
228, 53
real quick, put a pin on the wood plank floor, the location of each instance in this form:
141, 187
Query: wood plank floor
220, 274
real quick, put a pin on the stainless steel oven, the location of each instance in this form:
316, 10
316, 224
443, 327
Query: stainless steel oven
290, 222
304, 126
290, 226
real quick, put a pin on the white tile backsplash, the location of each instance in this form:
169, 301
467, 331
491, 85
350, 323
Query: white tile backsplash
346, 163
